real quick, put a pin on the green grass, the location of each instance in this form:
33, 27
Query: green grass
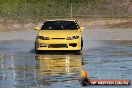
61, 8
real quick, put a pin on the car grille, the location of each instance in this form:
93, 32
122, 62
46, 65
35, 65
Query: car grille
57, 38
57, 45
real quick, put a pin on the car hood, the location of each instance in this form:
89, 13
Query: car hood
59, 33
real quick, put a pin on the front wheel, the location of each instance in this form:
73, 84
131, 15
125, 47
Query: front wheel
37, 51
81, 43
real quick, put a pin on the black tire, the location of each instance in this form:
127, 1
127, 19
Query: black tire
76, 52
36, 51
81, 43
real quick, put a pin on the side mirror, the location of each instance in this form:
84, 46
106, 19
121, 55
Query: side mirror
37, 28
81, 29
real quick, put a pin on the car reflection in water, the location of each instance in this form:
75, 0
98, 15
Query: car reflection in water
58, 68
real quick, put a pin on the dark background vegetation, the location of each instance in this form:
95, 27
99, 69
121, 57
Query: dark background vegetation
62, 8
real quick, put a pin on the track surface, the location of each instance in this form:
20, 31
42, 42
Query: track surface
20, 67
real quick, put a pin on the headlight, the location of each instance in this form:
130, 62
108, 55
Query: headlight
72, 38
43, 38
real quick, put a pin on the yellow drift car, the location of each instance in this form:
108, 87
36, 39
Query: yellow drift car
59, 35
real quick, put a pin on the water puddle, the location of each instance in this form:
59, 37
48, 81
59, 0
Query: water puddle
21, 67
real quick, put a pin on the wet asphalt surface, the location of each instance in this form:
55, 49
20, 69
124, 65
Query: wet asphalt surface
21, 67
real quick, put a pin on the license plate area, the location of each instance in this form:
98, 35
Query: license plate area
58, 46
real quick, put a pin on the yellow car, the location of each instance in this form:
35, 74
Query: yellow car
59, 35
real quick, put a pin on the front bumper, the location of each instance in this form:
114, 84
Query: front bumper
58, 44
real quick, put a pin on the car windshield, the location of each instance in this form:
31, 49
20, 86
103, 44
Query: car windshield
60, 25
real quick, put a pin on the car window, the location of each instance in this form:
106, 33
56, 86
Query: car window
60, 25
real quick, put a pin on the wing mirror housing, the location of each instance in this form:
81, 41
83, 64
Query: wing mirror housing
81, 29
37, 28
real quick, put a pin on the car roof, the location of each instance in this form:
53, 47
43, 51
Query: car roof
60, 20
